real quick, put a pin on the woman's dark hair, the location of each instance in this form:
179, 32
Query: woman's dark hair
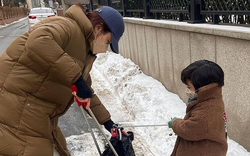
94, 18
202, 73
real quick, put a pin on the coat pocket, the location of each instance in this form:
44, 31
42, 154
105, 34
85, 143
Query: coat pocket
35, 119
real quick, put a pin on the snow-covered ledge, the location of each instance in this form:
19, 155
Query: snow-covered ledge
162, 48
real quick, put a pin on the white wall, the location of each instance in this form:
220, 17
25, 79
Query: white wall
164, 48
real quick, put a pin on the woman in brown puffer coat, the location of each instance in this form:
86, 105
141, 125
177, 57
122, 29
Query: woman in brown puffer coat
202, 132
37, 70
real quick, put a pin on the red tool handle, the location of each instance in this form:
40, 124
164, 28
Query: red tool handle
74, 89
114, 131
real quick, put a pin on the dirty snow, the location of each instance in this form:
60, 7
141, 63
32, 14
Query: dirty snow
5, 25
134, 97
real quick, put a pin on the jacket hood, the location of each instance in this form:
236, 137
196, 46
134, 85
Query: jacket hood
76, 13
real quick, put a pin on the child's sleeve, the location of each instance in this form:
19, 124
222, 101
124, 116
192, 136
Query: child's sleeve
193, 129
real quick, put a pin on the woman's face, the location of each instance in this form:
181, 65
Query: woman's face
102, 40
190, 85
100, 35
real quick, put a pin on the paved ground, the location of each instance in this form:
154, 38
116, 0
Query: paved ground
73, 122
9, 33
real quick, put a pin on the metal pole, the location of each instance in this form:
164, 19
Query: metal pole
129, 124
124, 8
133, 125
146, 6
143, 125
195, 11
109, 3
92, 133
215, 19
157, 15
100, 129
92, 5
180, 17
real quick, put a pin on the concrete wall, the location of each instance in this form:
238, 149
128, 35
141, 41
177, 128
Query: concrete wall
164, 48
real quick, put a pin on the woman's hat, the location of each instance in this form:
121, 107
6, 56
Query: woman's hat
114, 20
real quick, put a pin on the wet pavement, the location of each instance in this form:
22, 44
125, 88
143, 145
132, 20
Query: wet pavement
73, 122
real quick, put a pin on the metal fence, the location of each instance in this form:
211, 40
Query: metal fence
193, 11
10, 14
226, 11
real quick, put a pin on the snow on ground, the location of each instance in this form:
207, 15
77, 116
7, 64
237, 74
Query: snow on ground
5, 25
134, 97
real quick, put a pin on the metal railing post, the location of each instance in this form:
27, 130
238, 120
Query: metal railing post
92, 5
215, 19
130, 14
157, 15
124, 8
109, 3
146, 6
195, 11
181, 17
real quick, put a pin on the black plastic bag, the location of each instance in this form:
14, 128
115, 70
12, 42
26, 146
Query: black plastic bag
123, 147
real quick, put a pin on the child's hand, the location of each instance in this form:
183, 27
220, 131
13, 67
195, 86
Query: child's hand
170, 123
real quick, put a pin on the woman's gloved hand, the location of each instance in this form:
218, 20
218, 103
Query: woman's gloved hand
80, 101
109, 125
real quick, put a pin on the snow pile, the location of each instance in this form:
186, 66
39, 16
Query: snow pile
5, 25
79, 145
135, 98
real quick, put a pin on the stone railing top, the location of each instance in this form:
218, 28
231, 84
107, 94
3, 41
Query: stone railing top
239, 32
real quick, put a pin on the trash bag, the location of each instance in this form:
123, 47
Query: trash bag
122, 146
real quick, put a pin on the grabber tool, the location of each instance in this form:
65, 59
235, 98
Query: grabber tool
134, 124
83, 105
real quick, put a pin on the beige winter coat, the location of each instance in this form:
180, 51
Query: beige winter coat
36, 72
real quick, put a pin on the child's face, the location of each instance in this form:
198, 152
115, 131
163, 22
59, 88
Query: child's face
190, 85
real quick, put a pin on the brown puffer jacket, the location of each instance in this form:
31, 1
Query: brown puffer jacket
202, 132
36, 72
